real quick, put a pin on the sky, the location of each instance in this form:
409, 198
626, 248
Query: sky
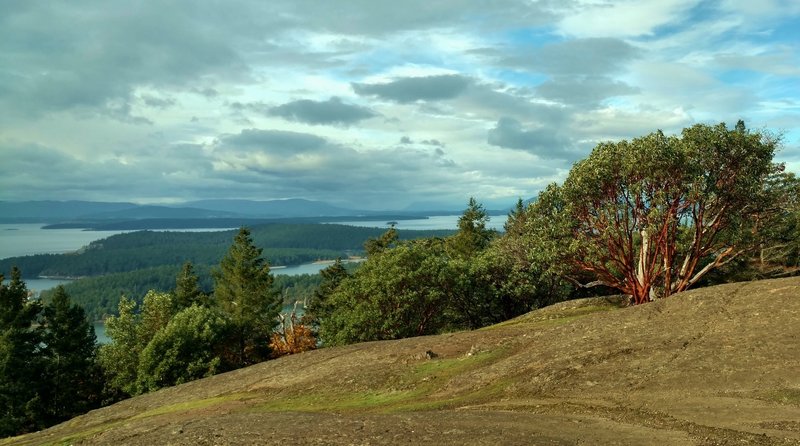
370, 104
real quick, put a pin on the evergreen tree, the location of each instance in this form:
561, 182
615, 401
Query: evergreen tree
20, 359
187, 289
243, 289
72, 374
320, 307
473, 236
387, 240
516, 218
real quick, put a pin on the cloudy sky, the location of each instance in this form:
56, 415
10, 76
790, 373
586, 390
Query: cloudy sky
370, 104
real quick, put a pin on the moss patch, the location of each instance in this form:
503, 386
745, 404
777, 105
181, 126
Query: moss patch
785, 396
409, 391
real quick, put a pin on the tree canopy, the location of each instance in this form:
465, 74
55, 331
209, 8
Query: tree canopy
243, 289
651, 216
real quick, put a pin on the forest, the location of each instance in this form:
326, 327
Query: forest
646, 218
283, 244
133, 263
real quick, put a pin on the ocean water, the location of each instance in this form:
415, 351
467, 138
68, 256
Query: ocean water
30, 238
435, 222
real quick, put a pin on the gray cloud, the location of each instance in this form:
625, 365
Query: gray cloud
158, 102
330, 112
378, 18
379, 176
276, 141
175, 172
510, 134
95, 61
588, 91
427, 142
412, 89
591, 56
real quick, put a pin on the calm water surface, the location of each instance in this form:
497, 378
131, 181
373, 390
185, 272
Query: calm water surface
435, 222
29, 239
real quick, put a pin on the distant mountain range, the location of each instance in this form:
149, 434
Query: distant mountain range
52, 211
293, 207
90, 211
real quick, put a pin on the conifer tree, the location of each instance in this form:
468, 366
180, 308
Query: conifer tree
320, 307
70, 351
20, 359
473, 236
187, 289
243, 289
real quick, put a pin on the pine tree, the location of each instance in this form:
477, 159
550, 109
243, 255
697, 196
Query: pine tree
473, 236
516, 218
72, 373
187, 289
319, 307
20, 359
387, 240
243, 289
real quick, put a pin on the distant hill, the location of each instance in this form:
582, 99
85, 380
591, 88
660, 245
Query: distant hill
150, 211
714, 366
38, 211
87, 211
294, 207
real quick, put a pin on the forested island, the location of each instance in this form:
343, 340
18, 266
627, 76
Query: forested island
133, 263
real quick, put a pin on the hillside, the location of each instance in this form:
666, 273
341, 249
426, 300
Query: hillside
713, 366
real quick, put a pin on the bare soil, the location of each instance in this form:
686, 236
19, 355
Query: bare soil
715, 366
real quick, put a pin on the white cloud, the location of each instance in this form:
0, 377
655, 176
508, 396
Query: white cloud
623, 18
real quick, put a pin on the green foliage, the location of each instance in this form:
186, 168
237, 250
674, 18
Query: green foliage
47, 360
243, 289
653, 215
431, 285
386, 241
158, 347
157, 311
516, 217
20, 396
472, 236
120, 358
296, 288
187, 289
72, 373
100, 296
187, 348
319, 306
394, 294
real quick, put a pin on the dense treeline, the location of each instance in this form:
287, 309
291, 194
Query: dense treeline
282, 244
100, 296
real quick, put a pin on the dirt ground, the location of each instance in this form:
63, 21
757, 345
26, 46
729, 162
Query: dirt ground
716, 366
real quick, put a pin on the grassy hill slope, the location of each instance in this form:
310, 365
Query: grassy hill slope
717, 365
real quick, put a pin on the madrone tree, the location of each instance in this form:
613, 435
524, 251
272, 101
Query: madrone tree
651, 216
